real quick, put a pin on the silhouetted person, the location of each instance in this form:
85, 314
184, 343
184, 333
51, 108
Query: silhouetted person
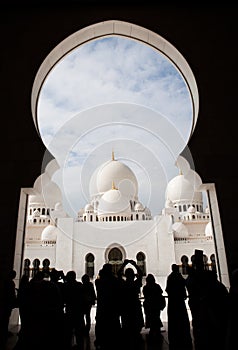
208, 302
154, 302
43, 314
89, 300
58, 278
107, 327
178, 321
74, 309
217, 312
196, 284
131, 311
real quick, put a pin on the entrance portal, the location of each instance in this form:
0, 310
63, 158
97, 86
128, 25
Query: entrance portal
115, 259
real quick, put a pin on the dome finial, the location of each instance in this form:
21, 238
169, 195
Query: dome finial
180, 172
113, 186
113, 155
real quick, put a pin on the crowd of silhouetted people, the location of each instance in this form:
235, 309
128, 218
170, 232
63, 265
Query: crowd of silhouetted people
55, 310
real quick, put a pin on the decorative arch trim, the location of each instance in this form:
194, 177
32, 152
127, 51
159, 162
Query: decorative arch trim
111, 246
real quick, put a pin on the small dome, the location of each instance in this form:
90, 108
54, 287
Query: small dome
191, 209
180, 230
88, 208
49, 233
208, 229
113, 202
139, 206
180, 189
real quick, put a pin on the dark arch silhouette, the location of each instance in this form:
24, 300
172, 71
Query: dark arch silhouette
115, 257
140, 257
89, 265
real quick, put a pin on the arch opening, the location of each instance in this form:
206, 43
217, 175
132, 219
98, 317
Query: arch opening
153, 83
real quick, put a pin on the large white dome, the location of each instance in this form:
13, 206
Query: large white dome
49, 233
117, 172
180, 189
113, 202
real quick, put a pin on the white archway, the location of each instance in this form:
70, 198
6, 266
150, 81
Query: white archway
125, 29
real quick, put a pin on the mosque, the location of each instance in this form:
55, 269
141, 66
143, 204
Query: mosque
114, 225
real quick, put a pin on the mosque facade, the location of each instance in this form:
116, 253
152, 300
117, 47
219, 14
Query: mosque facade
114, 225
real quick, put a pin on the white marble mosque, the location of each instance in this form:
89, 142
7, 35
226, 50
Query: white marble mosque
114, 225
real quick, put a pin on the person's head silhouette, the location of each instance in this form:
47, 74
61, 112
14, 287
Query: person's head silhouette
70, 276
85, 279
129, 274
175, 268
150, 279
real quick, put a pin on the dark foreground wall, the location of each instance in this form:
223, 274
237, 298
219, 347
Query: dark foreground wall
205, 36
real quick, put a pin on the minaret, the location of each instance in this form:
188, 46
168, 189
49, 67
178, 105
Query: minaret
113, 155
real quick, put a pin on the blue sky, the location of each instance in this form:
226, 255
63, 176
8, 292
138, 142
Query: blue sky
115, 93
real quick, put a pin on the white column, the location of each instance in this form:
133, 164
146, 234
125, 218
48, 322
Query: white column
64, 244
217, 235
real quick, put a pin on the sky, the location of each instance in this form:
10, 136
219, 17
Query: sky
115, 94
